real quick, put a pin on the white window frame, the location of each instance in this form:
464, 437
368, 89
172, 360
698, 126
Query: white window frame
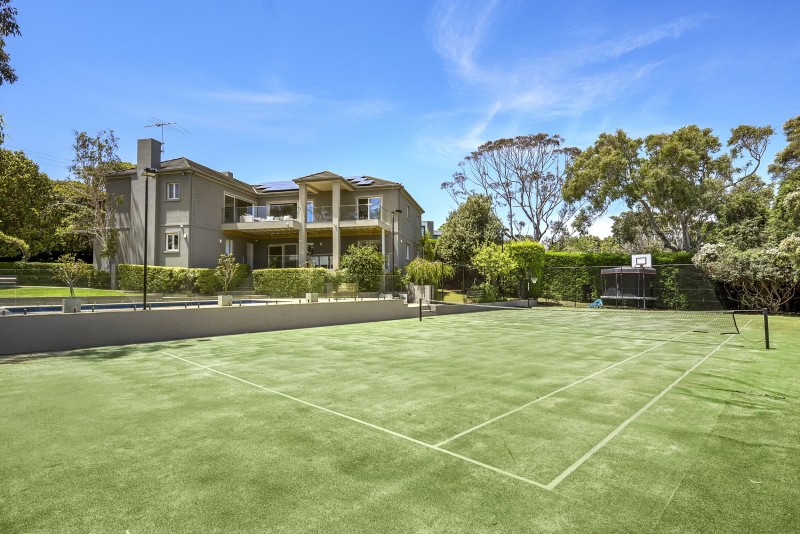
408, 251
229, 246
172, 241
173, 190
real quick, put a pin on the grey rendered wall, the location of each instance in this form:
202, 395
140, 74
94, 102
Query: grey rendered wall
58, 332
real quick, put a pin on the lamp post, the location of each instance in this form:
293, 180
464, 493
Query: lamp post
393, 259
148, 173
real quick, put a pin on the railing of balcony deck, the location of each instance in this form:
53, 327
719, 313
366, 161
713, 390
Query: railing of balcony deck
259, 214
362, 212
282, 262
320, 214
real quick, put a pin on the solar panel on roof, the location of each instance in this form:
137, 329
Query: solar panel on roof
360, 180
284, 185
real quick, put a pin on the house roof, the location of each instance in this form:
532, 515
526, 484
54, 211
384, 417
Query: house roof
357, 182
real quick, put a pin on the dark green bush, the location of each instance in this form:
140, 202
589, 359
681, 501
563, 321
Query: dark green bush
575, 276
294, 283
174, 279
43, 274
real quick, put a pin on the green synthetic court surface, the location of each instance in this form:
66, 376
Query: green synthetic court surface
507, 421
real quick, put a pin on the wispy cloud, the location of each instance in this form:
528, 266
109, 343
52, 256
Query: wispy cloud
563, 83
245, 97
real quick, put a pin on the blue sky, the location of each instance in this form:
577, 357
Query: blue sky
400, 90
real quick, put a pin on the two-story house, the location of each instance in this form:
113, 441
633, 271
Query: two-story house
194, 214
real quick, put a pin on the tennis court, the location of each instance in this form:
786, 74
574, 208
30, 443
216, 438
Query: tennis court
509, 420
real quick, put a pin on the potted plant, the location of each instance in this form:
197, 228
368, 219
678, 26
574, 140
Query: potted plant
69, 269
226, 272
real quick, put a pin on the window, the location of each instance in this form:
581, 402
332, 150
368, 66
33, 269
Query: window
173, 190
408, 212
408, 251
229, 246
173, 243
369, 208
310, 211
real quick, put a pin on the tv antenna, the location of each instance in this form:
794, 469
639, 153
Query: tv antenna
171, 126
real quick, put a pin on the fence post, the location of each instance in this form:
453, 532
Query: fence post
766, 327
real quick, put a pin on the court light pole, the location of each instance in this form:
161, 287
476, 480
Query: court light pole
147, 172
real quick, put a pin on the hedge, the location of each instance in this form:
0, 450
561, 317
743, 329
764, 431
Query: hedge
174, 279
575, 276
43, 274
288, 283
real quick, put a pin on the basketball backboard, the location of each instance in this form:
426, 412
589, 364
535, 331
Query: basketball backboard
641, 260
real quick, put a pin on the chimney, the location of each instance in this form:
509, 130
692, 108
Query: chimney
229, 174
148, 154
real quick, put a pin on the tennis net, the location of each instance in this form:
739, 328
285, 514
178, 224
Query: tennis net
603, 319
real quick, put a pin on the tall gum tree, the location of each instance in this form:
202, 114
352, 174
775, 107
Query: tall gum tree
523, 176
677, 180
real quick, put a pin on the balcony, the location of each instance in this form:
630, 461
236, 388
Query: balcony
277, 220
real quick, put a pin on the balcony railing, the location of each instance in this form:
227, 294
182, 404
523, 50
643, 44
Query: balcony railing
319, 214
259, 214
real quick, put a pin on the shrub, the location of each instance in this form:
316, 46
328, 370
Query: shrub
174, 279
290, 283
363, 266
44, 274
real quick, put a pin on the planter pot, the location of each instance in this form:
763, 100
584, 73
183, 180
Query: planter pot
312, 297
225, 300
71, 305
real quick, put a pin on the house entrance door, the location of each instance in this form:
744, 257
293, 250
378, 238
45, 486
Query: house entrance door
250, 255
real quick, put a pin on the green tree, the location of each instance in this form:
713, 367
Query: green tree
677, 181
423, 272
785, 216
90, 210
469, 226
226, 271
522, 175
8, 27
427, 244
494, 262
13, 247
758, 277
363, 266
25, 201
743, 219
69, 269
528, 257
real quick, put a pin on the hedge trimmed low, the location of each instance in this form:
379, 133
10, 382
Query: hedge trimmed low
174, 279
290, 283
43, 274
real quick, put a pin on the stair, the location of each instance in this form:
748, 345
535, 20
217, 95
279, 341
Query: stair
246, 285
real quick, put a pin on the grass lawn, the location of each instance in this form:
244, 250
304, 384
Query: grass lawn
509, 421
54, 291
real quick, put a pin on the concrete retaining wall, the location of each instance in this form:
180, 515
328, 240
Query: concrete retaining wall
58, 332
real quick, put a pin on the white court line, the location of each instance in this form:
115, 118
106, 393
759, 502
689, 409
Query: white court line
569, 470
359, 421
559, 390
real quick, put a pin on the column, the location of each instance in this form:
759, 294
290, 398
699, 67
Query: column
337, 240
302, 242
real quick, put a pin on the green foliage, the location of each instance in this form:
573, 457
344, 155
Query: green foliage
427, 245
493, 262
761, 277
292, 283
423, 272
11, 247
678, 181
91, 211
576, 276
523, 176
471, 225
226, 271
363, 266
70, 270
25, 199
528, 257
174, 279
44, 274
785, 216
8, 27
